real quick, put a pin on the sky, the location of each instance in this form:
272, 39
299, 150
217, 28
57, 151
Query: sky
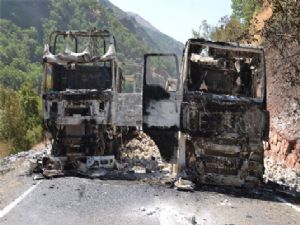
177, 18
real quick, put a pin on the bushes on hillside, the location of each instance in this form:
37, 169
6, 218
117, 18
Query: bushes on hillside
19, 118
20, 82
233, 28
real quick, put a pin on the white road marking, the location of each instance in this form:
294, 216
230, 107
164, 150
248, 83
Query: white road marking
288, 203
13, 204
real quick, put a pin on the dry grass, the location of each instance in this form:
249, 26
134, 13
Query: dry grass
4, 150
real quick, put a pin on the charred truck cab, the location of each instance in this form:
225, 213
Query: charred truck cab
223, 112
84, 109
215, 114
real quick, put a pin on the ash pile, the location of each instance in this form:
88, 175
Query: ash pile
141, 155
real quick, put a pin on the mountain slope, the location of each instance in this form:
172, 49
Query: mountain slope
49, 14
145, 31
142, 21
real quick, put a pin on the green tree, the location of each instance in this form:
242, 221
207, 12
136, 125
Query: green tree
204, 31
19, 118
19, 56
229, 30
11, 128
2, 96
31, 105
244, 9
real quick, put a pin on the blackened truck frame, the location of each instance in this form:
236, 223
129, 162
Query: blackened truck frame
84, 109
215, 129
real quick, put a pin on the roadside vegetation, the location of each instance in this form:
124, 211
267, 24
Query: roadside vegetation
234, 27
20, 78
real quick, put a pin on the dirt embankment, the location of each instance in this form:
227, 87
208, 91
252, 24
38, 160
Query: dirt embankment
283, 71
284, 105
276, 27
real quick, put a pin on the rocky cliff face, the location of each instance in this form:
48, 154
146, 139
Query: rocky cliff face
277, 28
284, 105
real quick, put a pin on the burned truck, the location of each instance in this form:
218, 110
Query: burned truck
84, 109
210, 119
208, 116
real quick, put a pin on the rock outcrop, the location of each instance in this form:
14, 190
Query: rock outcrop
277, 29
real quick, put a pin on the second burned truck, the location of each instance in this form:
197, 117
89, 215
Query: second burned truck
209, 119
215, 119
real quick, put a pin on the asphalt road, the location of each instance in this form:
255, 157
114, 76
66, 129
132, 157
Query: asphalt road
71, 200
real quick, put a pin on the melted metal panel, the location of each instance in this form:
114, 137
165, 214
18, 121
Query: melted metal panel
164, 113
129, 109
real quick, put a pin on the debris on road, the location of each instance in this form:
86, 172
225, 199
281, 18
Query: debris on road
26, 160
141, 151
225, 202
97, 173
280, 174
52, 167
38, 176
184, 185
139, 169
139, 159
134, 164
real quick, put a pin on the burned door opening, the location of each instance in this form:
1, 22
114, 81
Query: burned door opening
161, 102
